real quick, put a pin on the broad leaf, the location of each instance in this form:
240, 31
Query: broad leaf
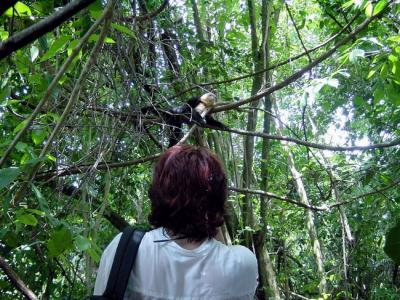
8, 175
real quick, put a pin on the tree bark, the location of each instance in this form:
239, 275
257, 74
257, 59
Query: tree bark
16, 280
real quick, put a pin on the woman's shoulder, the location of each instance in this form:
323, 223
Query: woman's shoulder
242, 255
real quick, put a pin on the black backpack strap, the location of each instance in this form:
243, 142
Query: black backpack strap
128, 261
123, 262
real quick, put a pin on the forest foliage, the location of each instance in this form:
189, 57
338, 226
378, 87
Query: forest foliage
310, 91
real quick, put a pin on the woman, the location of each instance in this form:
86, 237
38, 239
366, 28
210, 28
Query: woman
184, 257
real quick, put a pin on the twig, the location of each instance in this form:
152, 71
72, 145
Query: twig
16, 280
298, 32
35, 31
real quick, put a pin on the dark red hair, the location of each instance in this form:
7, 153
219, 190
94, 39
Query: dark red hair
188, 192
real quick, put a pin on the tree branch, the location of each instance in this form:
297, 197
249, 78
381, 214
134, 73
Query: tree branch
310, 144
152, 14
298, 74
6, 4
317, 208
50, 89
35, 31
277, 65
298, 32
72, 99
273, 196
80, 169
16, 280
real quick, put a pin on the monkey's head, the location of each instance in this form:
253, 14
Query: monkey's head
208, 99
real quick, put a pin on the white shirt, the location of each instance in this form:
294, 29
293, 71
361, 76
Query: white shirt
165, 270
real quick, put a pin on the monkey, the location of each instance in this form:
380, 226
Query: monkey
194, 111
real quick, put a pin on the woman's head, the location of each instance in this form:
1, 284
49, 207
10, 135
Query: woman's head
188, 192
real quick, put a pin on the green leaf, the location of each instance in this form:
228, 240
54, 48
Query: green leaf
27, 219
108, 40
369, 9
358, 101
95, 37
392, 245
82, 243
123, 29
21, 10
71, 47
34, 161
94, 251
6, 205
36, 211
379, 7
379, 94
60, 241
21, 147
3, 35
20, 126
58, 45
34, 53
355, 53
38, 135
8, 175
371, 73
43, 7
95, 9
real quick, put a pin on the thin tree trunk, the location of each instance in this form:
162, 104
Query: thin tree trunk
312, 230
347, 234
267, 276
251, 125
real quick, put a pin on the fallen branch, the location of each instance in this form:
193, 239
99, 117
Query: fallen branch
16, 280
35, 31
